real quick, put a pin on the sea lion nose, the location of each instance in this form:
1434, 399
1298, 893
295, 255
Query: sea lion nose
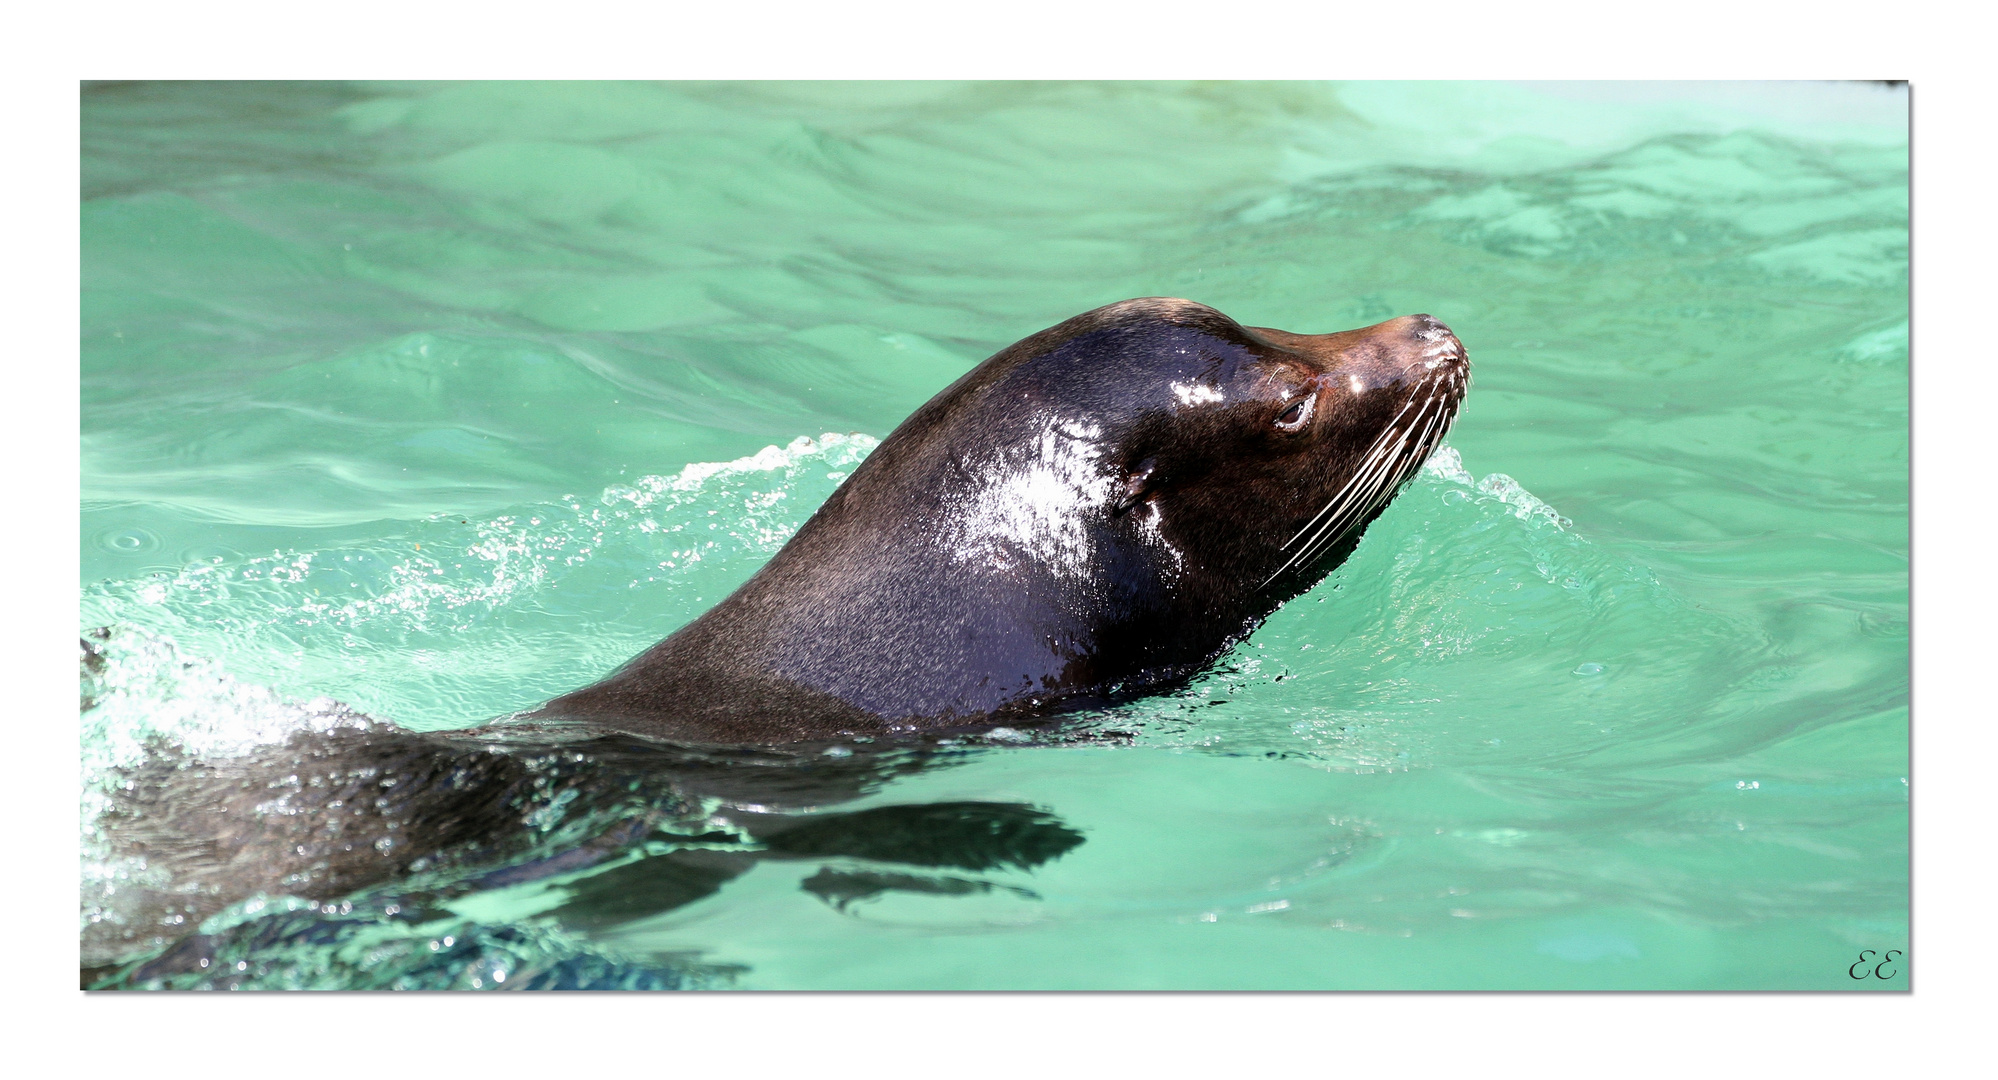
1434, 344
1430, 330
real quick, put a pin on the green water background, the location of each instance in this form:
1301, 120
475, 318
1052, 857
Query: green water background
418, 396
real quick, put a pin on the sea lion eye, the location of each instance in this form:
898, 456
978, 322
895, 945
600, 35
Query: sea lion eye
1294, 417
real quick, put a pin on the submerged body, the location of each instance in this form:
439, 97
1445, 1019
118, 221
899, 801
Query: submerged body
1093, 513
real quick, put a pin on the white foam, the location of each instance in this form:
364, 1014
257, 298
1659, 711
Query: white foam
840, 451
147, 690
1447, 466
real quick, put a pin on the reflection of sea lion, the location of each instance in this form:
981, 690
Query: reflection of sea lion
1093, 513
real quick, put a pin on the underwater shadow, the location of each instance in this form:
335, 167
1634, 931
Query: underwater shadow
346, 831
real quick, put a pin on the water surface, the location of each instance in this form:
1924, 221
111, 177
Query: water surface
437, 400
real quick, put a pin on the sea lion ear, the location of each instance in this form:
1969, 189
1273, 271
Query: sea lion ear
1137, 484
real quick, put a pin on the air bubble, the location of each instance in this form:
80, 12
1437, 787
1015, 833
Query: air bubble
128, 541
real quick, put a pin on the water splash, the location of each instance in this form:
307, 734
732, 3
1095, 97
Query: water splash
456, 620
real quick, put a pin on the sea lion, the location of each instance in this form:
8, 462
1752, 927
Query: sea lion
1091, 514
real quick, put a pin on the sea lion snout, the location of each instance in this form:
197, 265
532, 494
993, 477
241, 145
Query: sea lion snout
1403, 352
1419, 349
1425, 343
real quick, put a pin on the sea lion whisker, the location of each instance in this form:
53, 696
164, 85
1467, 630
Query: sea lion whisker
1385, 465
1379, 447
1357, 499
1433, 429
1383, 448
1372, 453
1453, 403
1375, 458
1370, 498
1449, 417
1359, 490
1386, 482
1331, 505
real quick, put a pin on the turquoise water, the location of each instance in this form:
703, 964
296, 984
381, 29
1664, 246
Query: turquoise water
437, 400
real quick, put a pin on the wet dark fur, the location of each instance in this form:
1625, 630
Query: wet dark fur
865, 623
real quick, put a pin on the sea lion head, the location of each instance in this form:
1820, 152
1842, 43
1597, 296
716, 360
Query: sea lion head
1242, 459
